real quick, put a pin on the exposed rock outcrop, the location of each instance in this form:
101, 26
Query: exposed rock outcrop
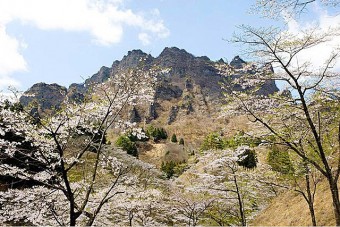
47, 96
172, 114
152, 112
191, 86
134, 116
102, 75
237, 62
133, 59
168, 92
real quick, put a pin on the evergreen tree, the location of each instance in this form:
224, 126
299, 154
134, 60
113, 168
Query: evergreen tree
156, 133
181, 141
163, 134
168, 168
127, 145
174, 138
212, 141
248, 159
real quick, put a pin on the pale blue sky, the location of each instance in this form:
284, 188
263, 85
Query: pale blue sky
65, 40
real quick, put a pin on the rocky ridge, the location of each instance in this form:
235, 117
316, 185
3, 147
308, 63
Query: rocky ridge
192, 87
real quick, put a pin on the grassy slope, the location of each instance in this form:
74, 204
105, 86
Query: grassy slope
290, 209
163, 152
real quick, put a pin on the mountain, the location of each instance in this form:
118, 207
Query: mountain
49, 95
191, 88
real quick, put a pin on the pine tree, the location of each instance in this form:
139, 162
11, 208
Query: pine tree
163, 134
127, 145
174, 138
181, 141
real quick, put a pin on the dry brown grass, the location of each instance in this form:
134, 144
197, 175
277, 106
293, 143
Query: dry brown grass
290, 209
162, 152
194, 128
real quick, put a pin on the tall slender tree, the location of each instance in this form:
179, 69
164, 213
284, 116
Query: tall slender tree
304, 118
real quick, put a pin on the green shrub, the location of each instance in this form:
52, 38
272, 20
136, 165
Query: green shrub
212, 141
280, 161
181, 141
149, 130
127, 145
156, 134
180, 168
172, 168
168, 168
248, 159
240, 139
174, 138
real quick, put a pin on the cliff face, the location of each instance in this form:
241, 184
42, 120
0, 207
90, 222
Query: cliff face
48, 96
198, 71
191, 87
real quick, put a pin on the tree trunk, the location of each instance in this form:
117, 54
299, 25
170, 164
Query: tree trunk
335, 197
130, 218
312, 214
72, 215
240, 203
310, 197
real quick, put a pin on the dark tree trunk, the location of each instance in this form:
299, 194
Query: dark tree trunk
240, 203
335, 198
310, 196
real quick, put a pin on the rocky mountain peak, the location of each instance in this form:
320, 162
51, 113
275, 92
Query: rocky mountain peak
221, 61
204, 58
237, 62
191, 87
137, 52
102, 75
132, 59
48, 96
40, 85
175, 53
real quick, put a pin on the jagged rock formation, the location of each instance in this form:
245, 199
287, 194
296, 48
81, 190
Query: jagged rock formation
172, 114
152, 112
191, 87
237, 62
134, 115
102, 75
185, 66
167, 91
47, 96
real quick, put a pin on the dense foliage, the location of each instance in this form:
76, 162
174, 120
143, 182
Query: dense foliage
280, 161
127, 145
156, 134
212, 141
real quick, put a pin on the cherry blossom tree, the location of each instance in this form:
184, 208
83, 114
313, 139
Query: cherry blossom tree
190, 206
140, 206
303, 118
277, 8
64, 154
226, 192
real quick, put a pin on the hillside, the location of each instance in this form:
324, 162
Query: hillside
290, 209
214, 176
